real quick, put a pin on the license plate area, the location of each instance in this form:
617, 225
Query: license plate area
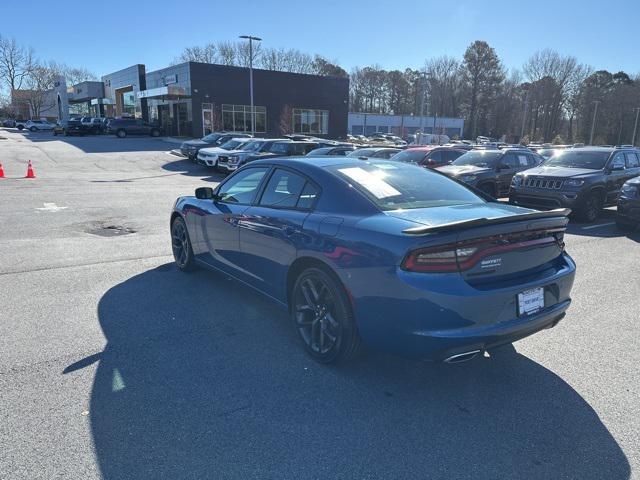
530, 301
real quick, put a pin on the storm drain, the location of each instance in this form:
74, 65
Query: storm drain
109, 230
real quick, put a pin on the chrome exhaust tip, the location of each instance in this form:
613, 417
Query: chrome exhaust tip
462, 357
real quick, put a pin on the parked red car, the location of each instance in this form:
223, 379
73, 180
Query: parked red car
429, 156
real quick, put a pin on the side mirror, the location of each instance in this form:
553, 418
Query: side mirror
204, 193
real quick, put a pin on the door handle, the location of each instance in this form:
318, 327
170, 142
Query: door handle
288, 231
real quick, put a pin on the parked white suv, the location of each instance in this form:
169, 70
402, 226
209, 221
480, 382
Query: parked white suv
35, 125
209, 156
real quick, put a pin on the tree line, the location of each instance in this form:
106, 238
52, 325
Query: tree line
21, 71
552, 98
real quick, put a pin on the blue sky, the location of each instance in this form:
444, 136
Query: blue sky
108, 35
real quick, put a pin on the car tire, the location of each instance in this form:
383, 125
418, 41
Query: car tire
488, 189
121, 133
625, 226
181, 245
20, 127
33, 129
591, 209
322, 315
155, 132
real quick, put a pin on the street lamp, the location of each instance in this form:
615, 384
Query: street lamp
253, 110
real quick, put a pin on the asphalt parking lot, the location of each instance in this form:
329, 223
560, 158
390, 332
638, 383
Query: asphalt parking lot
115, 365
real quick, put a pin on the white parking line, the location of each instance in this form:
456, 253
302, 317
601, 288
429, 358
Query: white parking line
598, 226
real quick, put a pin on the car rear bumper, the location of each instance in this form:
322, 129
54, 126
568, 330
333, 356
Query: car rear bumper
435, 316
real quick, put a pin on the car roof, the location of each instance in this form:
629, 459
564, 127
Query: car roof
321, 161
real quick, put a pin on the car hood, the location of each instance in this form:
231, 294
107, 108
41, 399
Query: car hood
634, 181
456, 170
550, 171
194, 143
457, 213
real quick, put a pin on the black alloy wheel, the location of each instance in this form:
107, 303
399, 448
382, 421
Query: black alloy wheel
181, 245
322, 317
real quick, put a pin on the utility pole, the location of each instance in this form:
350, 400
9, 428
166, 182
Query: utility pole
253, 110
593, 123
424, 89
635, 127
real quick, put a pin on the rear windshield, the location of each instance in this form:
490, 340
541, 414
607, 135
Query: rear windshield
362, 152
393, 185
480, 158
578, 159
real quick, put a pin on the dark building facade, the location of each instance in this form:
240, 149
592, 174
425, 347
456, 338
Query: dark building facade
193, 99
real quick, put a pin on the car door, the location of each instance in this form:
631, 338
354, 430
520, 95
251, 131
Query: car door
507, 168
616, 177
632, 164
219, 227
271, 232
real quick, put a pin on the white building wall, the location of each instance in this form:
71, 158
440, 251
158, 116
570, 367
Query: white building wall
369, 123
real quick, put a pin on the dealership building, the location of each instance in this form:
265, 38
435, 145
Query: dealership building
402, 125
192, 99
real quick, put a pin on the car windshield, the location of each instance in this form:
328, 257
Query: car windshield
579, 159
212, 137
362, 152
394, 185
278, 148
232, 144
479, 159
320, 151
409, 156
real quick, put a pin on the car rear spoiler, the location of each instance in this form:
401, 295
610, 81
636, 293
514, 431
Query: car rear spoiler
481, 222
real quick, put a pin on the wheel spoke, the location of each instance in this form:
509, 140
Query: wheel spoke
307, 293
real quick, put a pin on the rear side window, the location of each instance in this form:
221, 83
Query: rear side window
632, 159
510, 161
283, 190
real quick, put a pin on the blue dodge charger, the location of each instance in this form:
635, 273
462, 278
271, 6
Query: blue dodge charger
382, 253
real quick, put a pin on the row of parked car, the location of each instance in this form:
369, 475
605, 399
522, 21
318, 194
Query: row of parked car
120, 127
584, 179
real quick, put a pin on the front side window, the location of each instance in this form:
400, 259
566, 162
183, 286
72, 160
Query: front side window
238, 118
395, 185
479, 158
632, 159
279, 147
310, 121
283, 190
618, 161
242, 187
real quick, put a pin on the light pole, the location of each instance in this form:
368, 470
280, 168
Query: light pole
253, 110
593, 123
424, 88
635, 127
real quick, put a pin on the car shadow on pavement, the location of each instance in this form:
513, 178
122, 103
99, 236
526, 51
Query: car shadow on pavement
603, 227
202, 379
104, 143
192, 169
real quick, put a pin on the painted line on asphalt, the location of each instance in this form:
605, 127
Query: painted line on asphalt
598, 226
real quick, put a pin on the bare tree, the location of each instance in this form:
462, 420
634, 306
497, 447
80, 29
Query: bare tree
16, 63
205, 54
227, 53
285, 122
39, 84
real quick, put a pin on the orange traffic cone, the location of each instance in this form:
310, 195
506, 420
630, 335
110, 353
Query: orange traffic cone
1, 171
30, 173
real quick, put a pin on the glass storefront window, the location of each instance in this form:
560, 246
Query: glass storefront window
237, 118
129, 103
310, 121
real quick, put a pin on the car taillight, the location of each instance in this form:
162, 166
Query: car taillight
465, 255
440, 259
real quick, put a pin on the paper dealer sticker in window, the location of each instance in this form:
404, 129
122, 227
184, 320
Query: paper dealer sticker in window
374, 184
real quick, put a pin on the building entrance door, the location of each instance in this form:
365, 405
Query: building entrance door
181, 118
164, 118
207, 121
